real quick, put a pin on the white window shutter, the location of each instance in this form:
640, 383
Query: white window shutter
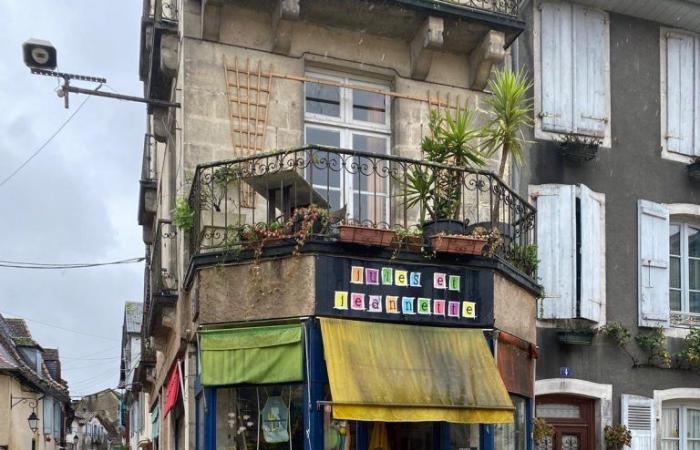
638, 416
592, 254
653, 228
590, 62
556, 250
556, 45
696, 97
680, 98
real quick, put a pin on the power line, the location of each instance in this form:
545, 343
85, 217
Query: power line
62, 266
57, 327
42, 146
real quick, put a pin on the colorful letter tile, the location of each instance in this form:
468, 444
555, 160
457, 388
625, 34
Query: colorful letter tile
375, 303
387, 276
414, 279
401, 277
453, 309
469, 310
372, 276
455, 283
392, 304
439, 307
440, 281
407, 305
423, 305
357, 301
341, 300
356, 276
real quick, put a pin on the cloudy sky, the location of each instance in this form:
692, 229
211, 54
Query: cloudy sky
77, 200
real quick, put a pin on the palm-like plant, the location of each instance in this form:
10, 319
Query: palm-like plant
450, 142
511, 111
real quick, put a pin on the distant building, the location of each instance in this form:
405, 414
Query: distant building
97, 422
135, 425
30, 388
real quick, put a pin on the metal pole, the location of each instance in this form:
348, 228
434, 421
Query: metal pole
76, 90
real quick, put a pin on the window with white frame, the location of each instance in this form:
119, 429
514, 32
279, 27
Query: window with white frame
572, 71
340, 113
571, 251
680, 428
684, 255
679, 93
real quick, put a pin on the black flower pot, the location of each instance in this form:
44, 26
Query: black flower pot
578, 152
694, 171
446, 226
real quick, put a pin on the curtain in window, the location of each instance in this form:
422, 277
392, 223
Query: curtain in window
671, 429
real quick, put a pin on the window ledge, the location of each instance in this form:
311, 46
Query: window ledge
556, 137
676, 157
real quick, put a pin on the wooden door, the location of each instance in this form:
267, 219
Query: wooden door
572, 419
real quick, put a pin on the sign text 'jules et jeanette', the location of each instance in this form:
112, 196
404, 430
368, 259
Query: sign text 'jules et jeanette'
357, 300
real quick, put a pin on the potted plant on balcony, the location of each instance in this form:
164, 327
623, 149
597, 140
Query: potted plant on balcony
437, 189
380, 237
579, 148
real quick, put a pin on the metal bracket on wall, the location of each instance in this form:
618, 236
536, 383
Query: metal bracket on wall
14, 401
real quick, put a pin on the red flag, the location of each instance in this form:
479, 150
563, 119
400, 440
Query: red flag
173, 390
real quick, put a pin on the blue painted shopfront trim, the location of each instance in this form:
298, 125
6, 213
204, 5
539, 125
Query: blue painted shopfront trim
210, 419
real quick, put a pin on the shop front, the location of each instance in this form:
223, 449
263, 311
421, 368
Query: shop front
396, 356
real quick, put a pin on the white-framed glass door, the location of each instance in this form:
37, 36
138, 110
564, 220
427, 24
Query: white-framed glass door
343, 115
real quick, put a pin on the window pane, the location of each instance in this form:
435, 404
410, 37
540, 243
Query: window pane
368, 106
694, 302
325, 167
694, 274
675, 276
512, 436
558, 411
693, 242
370, 208
675, 239
464, 436
323, 99
675, 300
693, 423
370, 174
670, 419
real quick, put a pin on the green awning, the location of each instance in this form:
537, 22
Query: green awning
254, 355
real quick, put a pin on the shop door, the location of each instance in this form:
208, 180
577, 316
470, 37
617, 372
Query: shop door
572, 419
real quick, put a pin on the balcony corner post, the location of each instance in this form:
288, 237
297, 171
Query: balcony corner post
428, 38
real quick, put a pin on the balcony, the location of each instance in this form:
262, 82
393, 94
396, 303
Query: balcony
501, 7
160, 282
285, 201
148, 189
158, 49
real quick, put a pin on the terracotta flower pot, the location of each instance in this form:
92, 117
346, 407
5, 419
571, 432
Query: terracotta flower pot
377, 237
463, 245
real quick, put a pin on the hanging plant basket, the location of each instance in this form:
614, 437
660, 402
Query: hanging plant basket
576, 337
577, 148
463, 245
694, 170
377, 237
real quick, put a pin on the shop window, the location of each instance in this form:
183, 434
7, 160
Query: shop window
464, 436
343, 115
271, 416
513, 436
572, 76
401, 435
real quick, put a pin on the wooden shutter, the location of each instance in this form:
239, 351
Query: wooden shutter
653, 228
680, 98
590, 62
592, 255
638, 415
556, 44
556, 250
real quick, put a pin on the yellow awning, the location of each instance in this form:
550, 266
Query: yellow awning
405, 373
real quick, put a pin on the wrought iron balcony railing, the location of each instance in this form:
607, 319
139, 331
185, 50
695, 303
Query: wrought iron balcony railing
506, 7
264, 192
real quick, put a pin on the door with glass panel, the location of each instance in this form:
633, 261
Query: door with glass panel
340, 114
684, 283
680, 428
572, 419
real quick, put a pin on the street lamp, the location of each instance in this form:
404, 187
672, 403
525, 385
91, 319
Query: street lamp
76, 439
33, 422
